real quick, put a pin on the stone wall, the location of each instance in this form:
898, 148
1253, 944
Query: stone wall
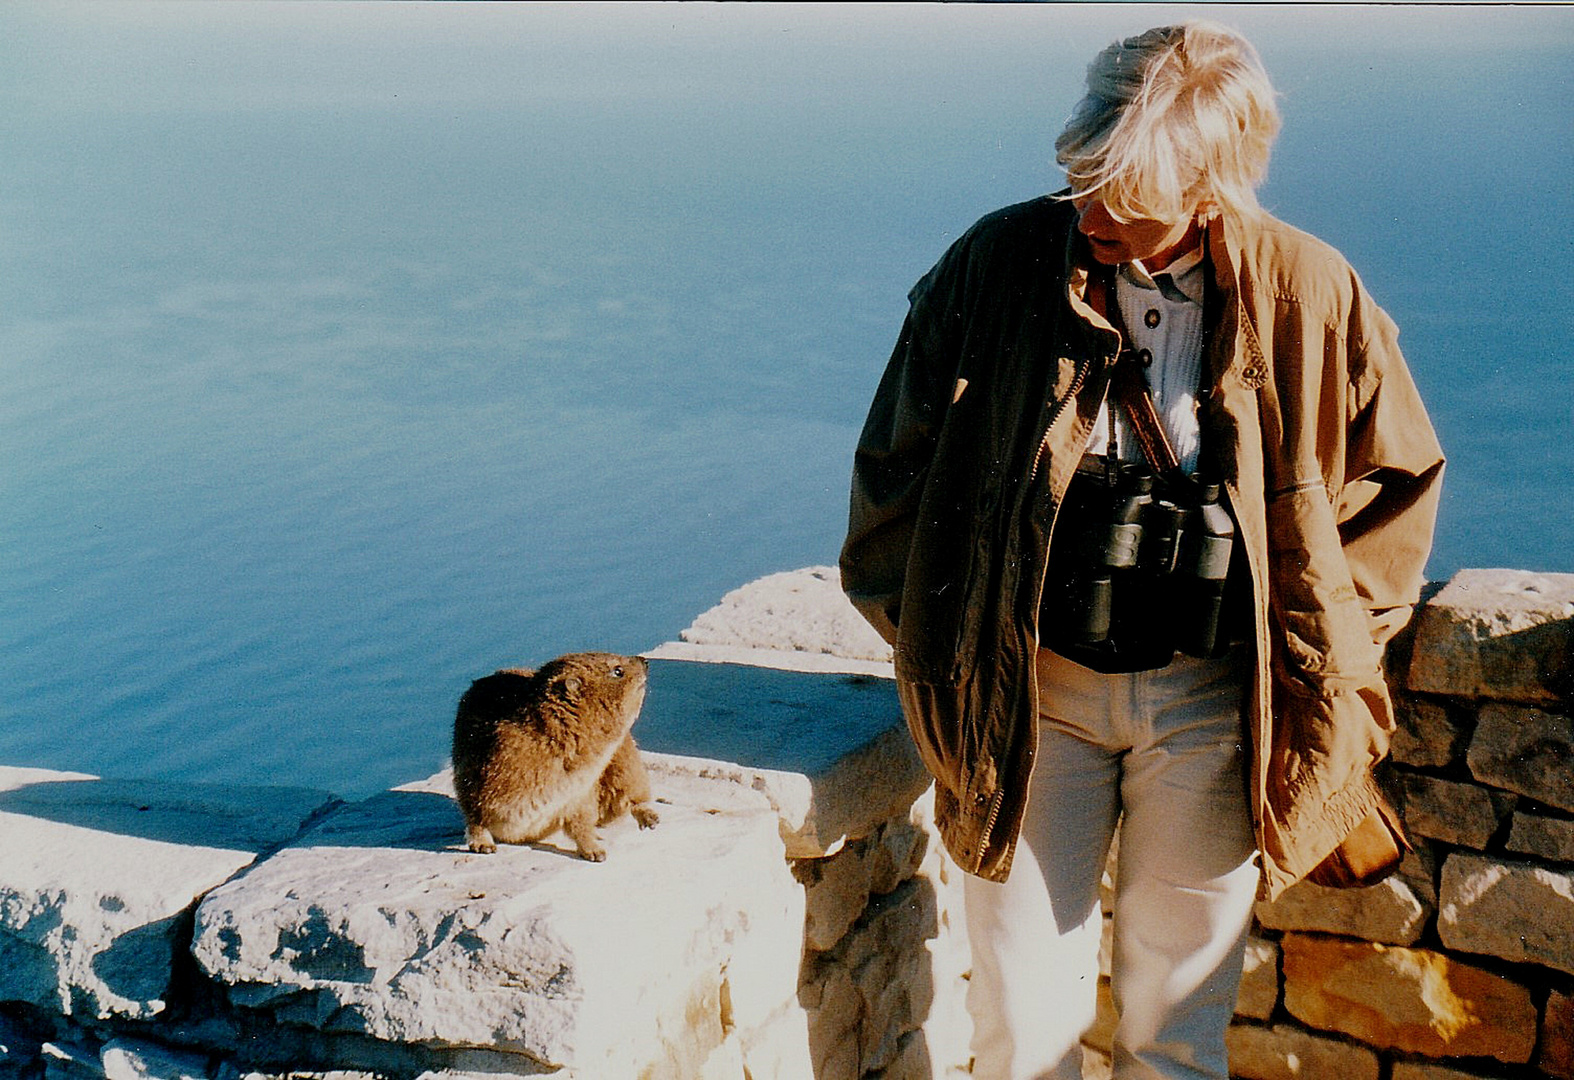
163, 931
1462, 965
786, 922
776, 923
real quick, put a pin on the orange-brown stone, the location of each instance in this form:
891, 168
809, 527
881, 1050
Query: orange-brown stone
1556, 1054
1413, 1000
1286, 1052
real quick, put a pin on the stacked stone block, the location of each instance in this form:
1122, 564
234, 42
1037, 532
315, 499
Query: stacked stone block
885, 956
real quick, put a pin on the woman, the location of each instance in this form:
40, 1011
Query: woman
1144, 491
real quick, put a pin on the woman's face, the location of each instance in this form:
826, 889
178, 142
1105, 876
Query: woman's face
1154, 243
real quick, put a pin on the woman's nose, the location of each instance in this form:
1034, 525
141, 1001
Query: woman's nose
1090, 216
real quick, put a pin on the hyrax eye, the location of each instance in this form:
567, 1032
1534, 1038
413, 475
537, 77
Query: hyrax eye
617, 671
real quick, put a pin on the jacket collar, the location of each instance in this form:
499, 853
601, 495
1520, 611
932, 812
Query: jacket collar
1226, 234
1078, 274
1182, 279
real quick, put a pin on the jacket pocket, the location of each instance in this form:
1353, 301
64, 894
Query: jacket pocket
1325, 742
1320, 785
1332, 714
1324, 630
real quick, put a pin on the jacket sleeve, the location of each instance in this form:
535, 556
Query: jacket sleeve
891, 464
1393, 475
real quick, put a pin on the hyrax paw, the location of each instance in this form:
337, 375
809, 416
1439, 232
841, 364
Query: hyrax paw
480, 841
593, 854
646, 817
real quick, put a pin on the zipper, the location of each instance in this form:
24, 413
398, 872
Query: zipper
1078, 378
1261, 738
989, 826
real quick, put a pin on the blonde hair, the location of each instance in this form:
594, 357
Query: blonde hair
1176, 120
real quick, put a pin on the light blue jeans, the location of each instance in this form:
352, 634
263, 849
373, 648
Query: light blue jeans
1163, 752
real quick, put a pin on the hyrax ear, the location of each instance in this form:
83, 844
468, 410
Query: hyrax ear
568, 687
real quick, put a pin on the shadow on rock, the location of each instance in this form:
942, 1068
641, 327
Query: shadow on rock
197, 815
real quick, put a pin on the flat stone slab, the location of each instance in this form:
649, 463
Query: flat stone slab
763, 717
796, 611
779, 659
378, 922
784, 679
1501, 634
98, 874
830, 752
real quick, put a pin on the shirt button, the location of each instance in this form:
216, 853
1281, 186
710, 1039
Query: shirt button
1145, 357
1152, 317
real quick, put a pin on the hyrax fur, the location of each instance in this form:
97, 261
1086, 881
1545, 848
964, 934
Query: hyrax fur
535, 751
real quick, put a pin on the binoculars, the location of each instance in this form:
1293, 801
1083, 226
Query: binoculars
1145, 557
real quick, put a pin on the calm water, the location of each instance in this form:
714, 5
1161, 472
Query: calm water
348, 352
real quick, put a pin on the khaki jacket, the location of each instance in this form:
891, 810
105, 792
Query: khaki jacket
1330, 463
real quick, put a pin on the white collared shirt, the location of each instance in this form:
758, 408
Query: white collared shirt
1163, 316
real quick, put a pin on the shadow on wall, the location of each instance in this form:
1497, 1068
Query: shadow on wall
868, 991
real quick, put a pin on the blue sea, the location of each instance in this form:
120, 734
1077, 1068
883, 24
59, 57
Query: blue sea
349, 352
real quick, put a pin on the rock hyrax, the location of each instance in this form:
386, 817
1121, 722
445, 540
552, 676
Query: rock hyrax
538, 750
